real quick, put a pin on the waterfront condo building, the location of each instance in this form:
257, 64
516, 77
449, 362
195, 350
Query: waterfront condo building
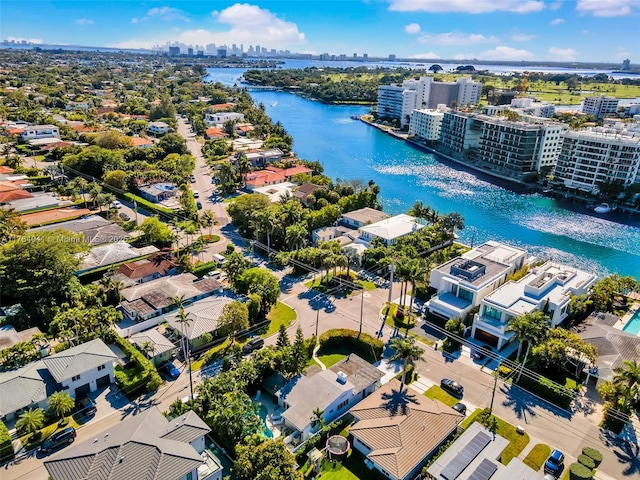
591, 157
600, 106
399, 101
463, 282
547, 288
426, 124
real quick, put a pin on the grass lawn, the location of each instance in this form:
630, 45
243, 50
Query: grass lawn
331, 359
350, 468
281, 314
342, 351
47, 432
470, 419
436, 393
517, 442
537, 456
366, 284
198, 364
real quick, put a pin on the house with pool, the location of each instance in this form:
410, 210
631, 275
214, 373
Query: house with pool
547, 288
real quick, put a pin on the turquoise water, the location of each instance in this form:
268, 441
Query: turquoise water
263, 412
633, 325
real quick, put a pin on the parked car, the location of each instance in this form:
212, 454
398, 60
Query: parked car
192, 179
460, 407
170, 369
58, 439
254, 344
125, 217
86, 406
215, 274
482, 352
452, 387
555, 463
199, 205
116, 204
196, 194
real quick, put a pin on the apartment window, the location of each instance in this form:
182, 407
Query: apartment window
492, 312
343, 404
75, 378
465, 294
102, 367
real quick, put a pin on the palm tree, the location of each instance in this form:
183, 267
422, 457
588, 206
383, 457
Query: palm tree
60, 403
184, 321
147, 349
108, 199
207, 220
266, 222
30, 421
407, 350
628, 377
530, 327
296, 235
419, 270
82, 185
317, 418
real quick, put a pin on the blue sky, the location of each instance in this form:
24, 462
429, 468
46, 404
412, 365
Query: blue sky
569, 30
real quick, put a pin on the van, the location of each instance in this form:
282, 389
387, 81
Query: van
252, 345
215, 274
219, 259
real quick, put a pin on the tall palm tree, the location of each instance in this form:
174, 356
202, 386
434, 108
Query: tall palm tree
317, 419
184, 321
407, 350
531, 327
296, 235
628, 377
60, 403
30, 421
94, 193
81, 184
419, 271
265, 221
207, 220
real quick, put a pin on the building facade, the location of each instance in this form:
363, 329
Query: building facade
34, 132
426, 124
600, 106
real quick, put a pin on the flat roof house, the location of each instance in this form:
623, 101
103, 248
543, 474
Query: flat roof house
463, 282
33, 132
547, 287
143, 446
333, 391
158, 128
260, 158
157, 192
390, 230
398, 430
218, 118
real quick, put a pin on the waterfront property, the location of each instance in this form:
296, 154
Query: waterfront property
547, 288
260, 158
600, 106
389, 230
476, 454
362, 216
217, 119
398, 430
273, 176
145, 445
425, 124
463, 282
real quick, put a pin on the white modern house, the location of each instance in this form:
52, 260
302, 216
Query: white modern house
362, 216
158, 128
217, 119
34, 132
547, 288
390, 229
463, 282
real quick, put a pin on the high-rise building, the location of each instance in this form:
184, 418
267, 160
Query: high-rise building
426, 124
626, 64
365, 55
174, 51
600, 106
190, 52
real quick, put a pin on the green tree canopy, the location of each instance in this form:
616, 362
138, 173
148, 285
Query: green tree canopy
60, 403
266, 460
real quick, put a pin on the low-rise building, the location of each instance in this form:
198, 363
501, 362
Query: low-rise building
33, 132
218, 118
390, 230
158, 128
273, 176
214, 132
342, 234
158, 192
145, 270
362, 216
259, 158
463, 282
161, 349
95, 230
398, 430
547, 288
110, 254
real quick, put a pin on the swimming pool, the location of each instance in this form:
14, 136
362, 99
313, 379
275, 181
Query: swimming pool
263, 412
633, 325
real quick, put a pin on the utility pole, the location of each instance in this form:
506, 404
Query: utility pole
392, 269
493, 394
361, 307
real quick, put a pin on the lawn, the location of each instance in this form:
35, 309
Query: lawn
46, 432
436, 393
517, 442
537, 456
198, 364
470, 419
323, 282
331, 359
281, 314
350, 468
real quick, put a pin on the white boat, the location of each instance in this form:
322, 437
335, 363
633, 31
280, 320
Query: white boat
274, 104
602, 208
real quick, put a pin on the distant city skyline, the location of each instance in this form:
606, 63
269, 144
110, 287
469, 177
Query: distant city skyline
498, 30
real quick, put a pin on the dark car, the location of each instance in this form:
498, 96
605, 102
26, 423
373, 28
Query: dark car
452, 387
170, 369
482, 352
125, 217
199, 205
58, 439
460, 407
254, 344
86, 406
554, 464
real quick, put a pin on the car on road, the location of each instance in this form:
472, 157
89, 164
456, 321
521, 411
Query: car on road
116, 204
555, 463
124, 217
58, 439
199, 205
481, 353
86, 406
170, 369
255, 343
460, 407
452, 387
196, 194
192, 179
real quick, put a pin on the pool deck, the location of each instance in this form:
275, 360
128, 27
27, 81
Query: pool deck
272, 407
620, 324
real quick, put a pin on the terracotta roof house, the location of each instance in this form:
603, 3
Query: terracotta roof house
140, 142
306, 189
143, 446
140, 271
272, 176
6, 170
13, 195
213, 133
398, 430
220, 107
243, 128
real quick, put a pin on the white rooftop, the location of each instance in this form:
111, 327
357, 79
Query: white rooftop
274, 192
392, 228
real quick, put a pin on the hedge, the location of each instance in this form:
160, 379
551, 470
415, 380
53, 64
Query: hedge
556, 394
6, 447
342, 337
593, 454
577, 471
587, 462
203, 268
141, 202
147, 376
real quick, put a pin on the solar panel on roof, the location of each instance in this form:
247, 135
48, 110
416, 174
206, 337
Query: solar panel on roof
470, 451
484, 471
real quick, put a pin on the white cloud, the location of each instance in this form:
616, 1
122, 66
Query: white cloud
607, 8
421, 56
167, 14
248, 24
412, 28
521, 37
555, 5
467, 6
84, 21
556, 21
455, 38
562, 54
28, 40
463, 56
503, 52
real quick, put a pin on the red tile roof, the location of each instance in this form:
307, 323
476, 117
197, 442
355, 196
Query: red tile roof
214, 133
220, 106
12, 195
141, 142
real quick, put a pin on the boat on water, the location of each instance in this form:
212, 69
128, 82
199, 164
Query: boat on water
274, 104
602, 208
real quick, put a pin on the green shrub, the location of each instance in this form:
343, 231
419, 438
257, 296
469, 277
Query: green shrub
587, 461
341, 337
544, 388
6, 447
503, 371
143, 375
593, 454
410, 376
577, 471
147, 205
201, 269
230, 248
60, 347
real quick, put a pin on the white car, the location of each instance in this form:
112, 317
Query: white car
116, 204
196, 194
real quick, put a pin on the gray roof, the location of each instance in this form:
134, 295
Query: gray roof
160, 343
360, 373
113, 253
203, 316
24, 387
96, 230
366, 215
78, 360
146, 446
9, 336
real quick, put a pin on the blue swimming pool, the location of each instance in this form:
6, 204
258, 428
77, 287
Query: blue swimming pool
633, 325
263, 412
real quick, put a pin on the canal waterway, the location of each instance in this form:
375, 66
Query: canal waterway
349, 148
